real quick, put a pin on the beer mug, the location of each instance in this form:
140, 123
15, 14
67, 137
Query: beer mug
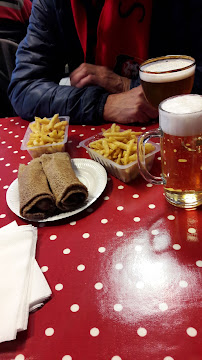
180, 132
167, 76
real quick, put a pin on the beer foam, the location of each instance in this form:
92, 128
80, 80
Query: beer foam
181, 115
161, 66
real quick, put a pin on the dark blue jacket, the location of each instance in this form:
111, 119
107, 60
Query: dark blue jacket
52, 41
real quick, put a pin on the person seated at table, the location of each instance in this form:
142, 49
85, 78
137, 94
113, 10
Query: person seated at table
103, 43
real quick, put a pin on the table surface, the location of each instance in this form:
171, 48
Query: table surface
125, 273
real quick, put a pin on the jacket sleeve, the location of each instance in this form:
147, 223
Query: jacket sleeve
34, 89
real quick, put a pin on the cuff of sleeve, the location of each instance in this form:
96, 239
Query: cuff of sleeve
100, 108
134, 83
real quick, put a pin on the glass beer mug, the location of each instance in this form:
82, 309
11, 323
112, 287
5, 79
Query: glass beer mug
180, 132
167, 76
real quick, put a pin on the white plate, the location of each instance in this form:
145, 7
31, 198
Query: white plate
89, 172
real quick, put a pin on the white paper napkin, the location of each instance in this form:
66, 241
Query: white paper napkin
23, 286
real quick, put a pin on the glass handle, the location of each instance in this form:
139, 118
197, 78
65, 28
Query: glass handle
141, 156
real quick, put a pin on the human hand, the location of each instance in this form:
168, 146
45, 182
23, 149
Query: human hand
88, 74
129, 107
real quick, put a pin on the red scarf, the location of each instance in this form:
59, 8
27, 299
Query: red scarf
123, 29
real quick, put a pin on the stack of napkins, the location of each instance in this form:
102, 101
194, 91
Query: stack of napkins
23, 287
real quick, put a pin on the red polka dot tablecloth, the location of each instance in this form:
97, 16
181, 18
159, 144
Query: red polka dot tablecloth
125, 273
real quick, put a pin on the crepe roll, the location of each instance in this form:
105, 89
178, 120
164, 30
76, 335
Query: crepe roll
68, 190
36, 199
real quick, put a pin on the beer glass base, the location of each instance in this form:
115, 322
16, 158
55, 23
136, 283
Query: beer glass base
184, 199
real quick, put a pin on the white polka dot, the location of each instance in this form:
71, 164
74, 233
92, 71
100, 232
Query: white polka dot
142, 332
74, 308
120, 208
7, 164
17, 123
81, 135
101, 249
151, 206
116, 357
119, 266
10, 132
53, 237
14, 171
120, 187
5, 128
176, 246
159, 157
73, 130
191, 332
69, 141
199, 263
135, 196
143, 128
2, 216
183, 284
72, 223
92, 128
58, 287
66, 251
22, 157
149, 185
139, 285
94, 332
49, 331
1, 159
5, 187
155, 232
16, 136
15, 152
136, 219
168, 358
19, 357
81, 267
98, 286
106, 198
104, 221
163, 306
10, 147
11, 120
22, 127
138, 248
67, 357
171, 217
118, 307
192, 230
86, 235
119, 233
44, 268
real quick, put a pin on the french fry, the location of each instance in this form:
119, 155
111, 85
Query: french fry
119, 146
47, 131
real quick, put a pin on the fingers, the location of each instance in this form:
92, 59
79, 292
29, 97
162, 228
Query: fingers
86, 81
81, 73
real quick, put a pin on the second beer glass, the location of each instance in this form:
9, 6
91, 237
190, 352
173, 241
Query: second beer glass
180, 132
167, 76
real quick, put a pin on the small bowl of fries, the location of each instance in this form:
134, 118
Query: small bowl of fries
46, 136
116, 150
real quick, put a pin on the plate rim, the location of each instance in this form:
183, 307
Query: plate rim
65, 215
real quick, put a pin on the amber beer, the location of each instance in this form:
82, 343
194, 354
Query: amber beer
167, 76
180, 132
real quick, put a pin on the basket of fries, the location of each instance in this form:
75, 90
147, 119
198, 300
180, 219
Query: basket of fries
46, 136
116, 150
